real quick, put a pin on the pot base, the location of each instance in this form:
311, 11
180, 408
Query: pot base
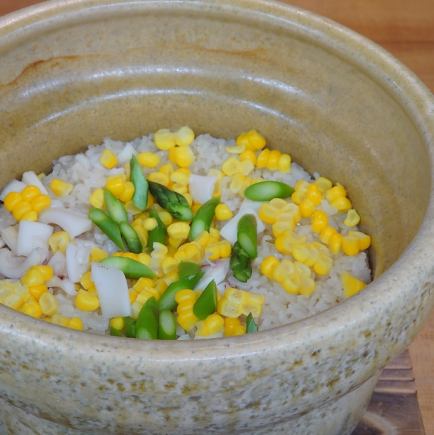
339, 417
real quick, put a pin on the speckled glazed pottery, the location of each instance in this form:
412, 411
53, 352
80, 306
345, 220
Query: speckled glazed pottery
73, 72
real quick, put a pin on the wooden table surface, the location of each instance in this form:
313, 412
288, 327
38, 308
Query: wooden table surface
406, 29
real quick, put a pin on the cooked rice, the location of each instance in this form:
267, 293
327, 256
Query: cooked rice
86, 174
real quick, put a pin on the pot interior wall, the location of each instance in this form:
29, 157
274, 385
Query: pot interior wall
142, 67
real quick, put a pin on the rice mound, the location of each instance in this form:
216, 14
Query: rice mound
86, 174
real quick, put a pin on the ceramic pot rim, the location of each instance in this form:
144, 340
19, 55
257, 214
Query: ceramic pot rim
402, 85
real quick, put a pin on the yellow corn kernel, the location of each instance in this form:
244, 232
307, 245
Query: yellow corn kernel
203, 239
314, 194
86, 301
319, 221
178, 230
159, 177
341, 204
234, 327
238, 183
236, 302
273, 160
60, 187
86, 281
231, 166
352, 219
38, 290
148, 159
58, 241
47, 271
307, 207
281, 226
143, 258
186, 300
11, 200
115, 184
97, 254
223, 212
127, 192
31, 308
108, 159
284, 163
267, 213
351, 284
184, 137
335, 243
149, 224
96, 199
252, 140
143, 283
165, 217
75, 323
237, 149
350, 245
214, 235
146, 294
117, 323
40, 203
213, 324
164, 139
364, 240
336, 192
137, 224
246, 166
20, 210
13, 300
217, 250
31, 216
262, 159
180, 188
323, 184
268, 265
48, 303
167, 169
180, 177
326, 234
182, 156
58, 319
133, 295
30, 192
191, 251
248, 155
323, 265
169, 265
33, 276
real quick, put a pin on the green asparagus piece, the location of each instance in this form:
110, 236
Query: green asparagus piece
173, 202
130, 327
202, 219
141, 187
167, 300
159, 233
251, 325
108, 226
131, 268
267, 190
188, 269
247, 235
167, 326
131, 237
147, 321
206, 304
240, 263
115, 208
